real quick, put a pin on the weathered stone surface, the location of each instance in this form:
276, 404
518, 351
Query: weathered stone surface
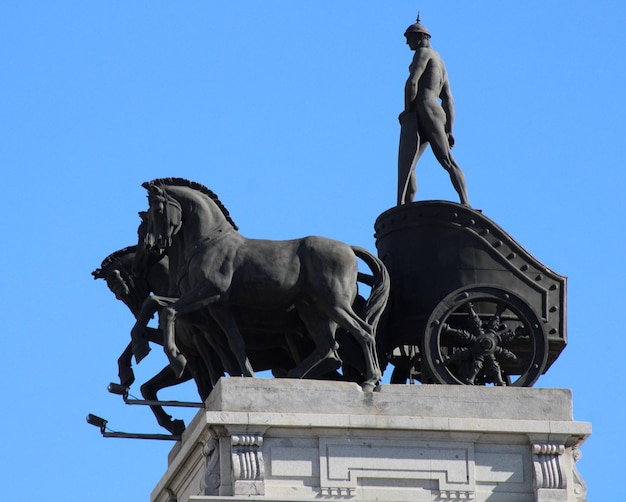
299, 440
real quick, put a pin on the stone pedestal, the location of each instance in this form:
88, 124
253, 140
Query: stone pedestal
305, 440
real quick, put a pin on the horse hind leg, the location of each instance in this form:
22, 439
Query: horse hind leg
362, 332
324, 358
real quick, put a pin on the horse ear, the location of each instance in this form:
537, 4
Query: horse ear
146, 185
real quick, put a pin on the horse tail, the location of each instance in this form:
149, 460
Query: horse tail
380, 283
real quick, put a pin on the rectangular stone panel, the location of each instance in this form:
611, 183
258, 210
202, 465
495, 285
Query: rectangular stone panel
344, 462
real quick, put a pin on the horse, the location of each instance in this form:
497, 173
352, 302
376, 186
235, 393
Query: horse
133, 290
223, 271
275, 338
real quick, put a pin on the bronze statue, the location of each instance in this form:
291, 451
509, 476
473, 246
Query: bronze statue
424, 119
223, 272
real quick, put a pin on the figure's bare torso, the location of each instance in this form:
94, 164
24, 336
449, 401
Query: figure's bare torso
432, 76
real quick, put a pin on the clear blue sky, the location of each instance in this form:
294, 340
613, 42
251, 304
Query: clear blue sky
288, 110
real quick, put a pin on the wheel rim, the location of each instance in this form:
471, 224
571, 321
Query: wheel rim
485, 336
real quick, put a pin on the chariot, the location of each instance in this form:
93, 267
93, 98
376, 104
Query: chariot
468, 304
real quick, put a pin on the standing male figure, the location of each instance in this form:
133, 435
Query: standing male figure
424, 119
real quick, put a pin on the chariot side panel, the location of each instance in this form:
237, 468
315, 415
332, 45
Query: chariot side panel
433, 248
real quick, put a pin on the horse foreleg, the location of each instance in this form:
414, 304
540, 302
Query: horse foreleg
201, 296
124, 366
167, 321
225, 319
139, 337
324, 358
201, 360
212, 366
165, 378
125, 361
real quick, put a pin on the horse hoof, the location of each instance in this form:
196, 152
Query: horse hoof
140, 351
176, 427
369, 387
325, 367
127, 377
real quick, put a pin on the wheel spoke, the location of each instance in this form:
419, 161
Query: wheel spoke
451, 335
496, 371
477, 366
506, 355
459, 355
509, 335
495, 320
476, 322
485, 336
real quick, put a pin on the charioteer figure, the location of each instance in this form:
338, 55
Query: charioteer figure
425, 118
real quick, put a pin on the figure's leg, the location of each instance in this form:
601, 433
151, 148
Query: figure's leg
412, 188
441, 150
408, 155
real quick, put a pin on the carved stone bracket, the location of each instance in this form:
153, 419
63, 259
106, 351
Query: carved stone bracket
547, 466
210, 483
580, 488
248, 469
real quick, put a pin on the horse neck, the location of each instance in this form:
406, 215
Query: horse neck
202, 218
158, 278
139, 290
176, 255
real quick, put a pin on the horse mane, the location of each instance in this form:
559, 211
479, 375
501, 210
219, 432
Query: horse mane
182, 182
115, 256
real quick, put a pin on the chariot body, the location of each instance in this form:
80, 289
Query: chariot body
468, 304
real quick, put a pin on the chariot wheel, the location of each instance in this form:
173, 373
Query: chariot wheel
484, 336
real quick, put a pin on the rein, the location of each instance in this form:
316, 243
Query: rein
216, 235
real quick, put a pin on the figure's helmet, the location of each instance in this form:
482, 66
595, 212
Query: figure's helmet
417, 28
